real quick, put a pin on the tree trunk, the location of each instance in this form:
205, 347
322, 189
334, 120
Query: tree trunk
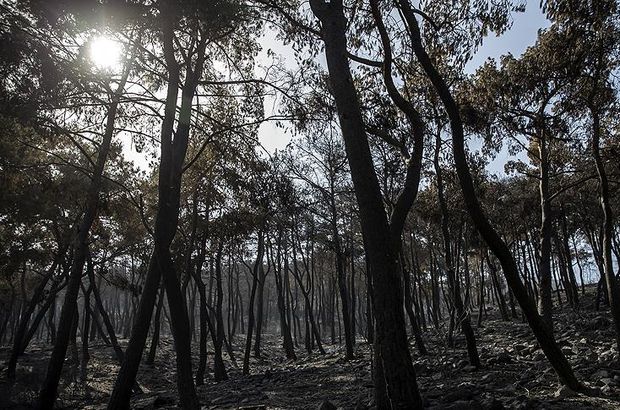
203, 314
461, 315
255, 271
488, 233
395, 381
48, 393
150, 357
85, 332
545, 303
569, 261
219, 370
342, 286
608, 227
161, 265
260, 299
18, 338
102, 311
289, 349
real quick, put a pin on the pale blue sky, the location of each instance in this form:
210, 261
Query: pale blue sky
522, 34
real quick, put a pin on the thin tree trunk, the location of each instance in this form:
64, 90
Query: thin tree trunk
47, 396
166, 222
18, 339
85, 332
395, 381
610, 279
287, 341
150, 357
488, 233
219, 370
461, 315
255, 271
545, 303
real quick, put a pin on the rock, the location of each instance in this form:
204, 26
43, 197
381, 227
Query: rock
420, 368
146, 403
568, 351
601, 374
222, 400
492, 404
460, 405
607, 381
538, 355
606, 356
326, 405
503, 358
525, 403
469, 369
526, 376
600, 322
461, 393
509, 389
564, 392
461, 363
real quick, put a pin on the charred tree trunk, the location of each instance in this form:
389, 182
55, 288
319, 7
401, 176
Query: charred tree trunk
461, 315
85, 332
219, 370
255, 271
545, 303
18, 338
395, 381
173, 151
48, 393
608, 227
202, 312
486, 230
150, 357
287, 341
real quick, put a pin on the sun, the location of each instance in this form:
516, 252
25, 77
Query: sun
105, 53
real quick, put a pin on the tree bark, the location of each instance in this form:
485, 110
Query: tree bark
545, 303
608, 224
461, 316
258, 265
219, 370
491, 237
287, 341
18, 338
48, 393
395, 381
161, 265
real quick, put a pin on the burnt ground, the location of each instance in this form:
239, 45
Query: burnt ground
515, 374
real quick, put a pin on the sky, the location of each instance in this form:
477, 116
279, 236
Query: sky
522, 34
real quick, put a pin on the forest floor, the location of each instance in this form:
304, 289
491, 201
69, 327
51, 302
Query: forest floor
514, 375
